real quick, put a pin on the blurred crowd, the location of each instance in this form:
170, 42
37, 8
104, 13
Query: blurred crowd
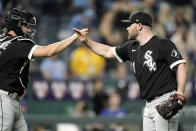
173, 19
55, 19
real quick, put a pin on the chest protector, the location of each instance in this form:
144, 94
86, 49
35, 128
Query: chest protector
5, 42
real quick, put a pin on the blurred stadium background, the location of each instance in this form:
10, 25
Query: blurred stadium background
70, 91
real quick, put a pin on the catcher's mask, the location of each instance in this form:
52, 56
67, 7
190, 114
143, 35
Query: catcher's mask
16, 18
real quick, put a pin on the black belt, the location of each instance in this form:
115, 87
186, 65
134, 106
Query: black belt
149, 99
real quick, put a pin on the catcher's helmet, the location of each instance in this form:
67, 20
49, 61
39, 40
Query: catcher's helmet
16, 18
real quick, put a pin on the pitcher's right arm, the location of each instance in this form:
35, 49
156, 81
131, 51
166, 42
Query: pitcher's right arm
98, 48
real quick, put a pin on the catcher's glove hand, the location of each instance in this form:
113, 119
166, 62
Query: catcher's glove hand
168, 108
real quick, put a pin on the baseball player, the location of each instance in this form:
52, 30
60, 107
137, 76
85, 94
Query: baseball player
16, 50
154, 61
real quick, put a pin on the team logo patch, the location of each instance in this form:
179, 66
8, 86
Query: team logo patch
149, 62
175, 53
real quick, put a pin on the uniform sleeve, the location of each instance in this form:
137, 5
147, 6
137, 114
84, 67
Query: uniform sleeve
171, 54
121, 52
25, 49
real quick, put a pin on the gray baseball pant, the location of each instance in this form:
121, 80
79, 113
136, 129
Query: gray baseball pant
11, 117
152, 121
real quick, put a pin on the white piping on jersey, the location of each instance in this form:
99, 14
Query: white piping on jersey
21, 72
176, 63
114, 51
6, 43
31, 52
133, 64
3, 38
23, 39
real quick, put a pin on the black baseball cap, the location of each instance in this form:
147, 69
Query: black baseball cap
139, 17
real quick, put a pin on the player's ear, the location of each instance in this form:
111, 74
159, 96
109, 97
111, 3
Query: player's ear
139, 26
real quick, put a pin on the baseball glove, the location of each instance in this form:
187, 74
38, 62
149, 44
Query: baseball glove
168, 108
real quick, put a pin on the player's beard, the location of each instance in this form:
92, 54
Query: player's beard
131, 37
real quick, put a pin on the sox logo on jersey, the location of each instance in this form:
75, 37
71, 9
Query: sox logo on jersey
149, 62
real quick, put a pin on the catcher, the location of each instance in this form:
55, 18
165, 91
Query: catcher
17, 49
155, 62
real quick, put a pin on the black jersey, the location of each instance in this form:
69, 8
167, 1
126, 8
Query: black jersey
152, 64
15, 53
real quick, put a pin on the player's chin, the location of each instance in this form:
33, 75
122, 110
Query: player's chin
131, 37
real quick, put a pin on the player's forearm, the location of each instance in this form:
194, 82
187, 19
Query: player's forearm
53, 49
99, 49
181, 76
58, 47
